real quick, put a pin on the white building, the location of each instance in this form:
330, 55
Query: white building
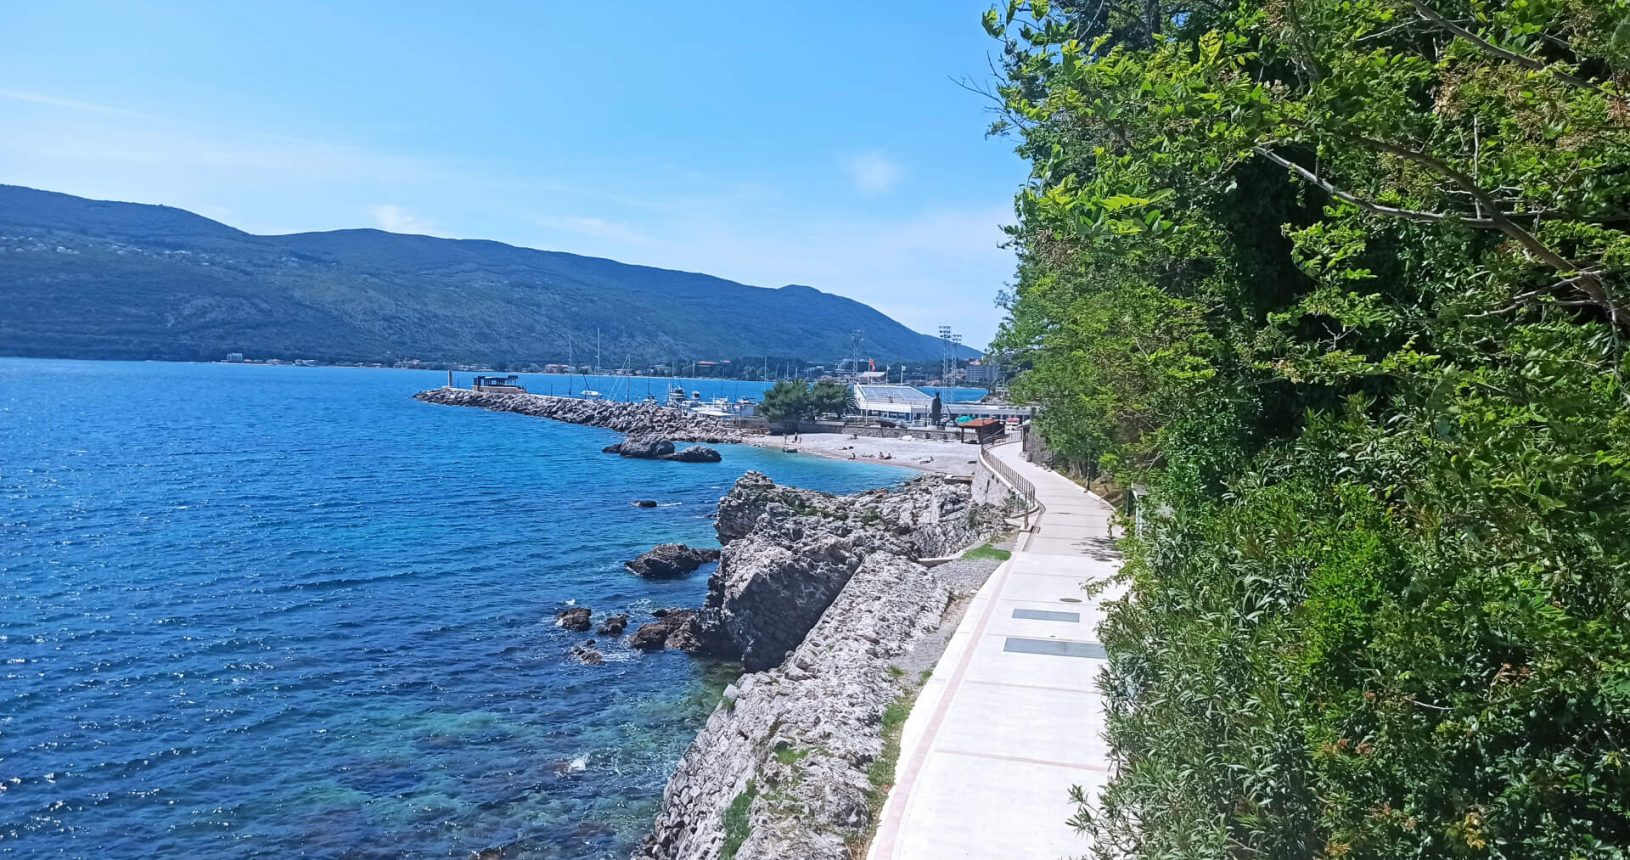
913, 406
895, 402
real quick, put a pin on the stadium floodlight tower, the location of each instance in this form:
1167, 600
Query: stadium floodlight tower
950, 340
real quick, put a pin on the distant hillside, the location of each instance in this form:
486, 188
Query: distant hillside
93, 279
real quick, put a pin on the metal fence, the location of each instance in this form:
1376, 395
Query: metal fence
1019, 483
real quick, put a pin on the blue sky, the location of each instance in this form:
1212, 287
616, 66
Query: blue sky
771, 143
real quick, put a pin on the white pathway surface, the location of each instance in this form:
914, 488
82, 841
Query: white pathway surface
1012, 716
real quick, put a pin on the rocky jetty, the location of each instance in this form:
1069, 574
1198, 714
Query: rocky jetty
819, 596
632, 419
669, 560
655, 447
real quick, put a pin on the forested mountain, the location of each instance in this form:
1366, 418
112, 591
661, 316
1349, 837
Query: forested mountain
92, 279
1344, 284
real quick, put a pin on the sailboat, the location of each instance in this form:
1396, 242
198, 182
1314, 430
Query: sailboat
589, 393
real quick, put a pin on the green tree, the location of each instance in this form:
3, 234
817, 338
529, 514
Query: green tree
786, 404
828, 397
1344, 282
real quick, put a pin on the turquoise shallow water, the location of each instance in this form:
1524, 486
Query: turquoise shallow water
275, 611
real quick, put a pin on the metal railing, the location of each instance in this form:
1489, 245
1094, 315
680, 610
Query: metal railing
1016, 482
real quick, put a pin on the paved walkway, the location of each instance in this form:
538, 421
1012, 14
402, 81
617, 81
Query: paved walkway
1012, 717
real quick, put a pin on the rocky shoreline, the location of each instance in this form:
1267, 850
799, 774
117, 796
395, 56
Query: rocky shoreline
825, 602
632, 419
822, 599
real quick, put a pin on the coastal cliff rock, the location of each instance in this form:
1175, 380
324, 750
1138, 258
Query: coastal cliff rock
789, 552
766, 596
803, 735
823, 600
631, 419
668, 560
922, 518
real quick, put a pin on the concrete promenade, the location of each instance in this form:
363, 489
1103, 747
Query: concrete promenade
1011, 717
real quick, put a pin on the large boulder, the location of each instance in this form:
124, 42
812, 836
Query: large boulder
680, 629
668, 560
654, 636
576, 618
646, 447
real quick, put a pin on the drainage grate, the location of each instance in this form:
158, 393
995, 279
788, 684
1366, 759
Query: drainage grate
1055, 648
1045, 615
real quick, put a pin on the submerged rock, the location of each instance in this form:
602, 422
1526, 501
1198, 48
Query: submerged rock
695, 454
645, 503
614, 625
587, 654
576, 618
668, 560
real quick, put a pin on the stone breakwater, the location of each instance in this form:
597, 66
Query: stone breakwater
820, 597
632, 419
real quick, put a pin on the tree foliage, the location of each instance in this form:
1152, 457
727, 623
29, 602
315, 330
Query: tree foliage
1344, 281
830, 397
787, 403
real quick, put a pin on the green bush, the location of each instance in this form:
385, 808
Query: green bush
737, 825
1343, 282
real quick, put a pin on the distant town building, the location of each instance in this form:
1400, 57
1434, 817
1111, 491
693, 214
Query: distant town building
234, 358
981, 372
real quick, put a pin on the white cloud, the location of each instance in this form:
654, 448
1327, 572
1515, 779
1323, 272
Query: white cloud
70, 104
394, 219
873, 172
596, 228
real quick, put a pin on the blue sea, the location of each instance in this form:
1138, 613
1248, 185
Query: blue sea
254, 611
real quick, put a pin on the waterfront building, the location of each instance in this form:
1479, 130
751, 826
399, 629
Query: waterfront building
510, 384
